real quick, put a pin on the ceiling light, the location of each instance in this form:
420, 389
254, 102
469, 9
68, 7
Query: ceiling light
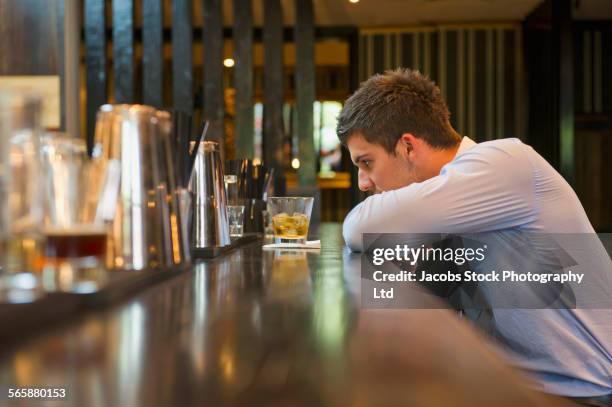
295, 163
354, 1
228, 62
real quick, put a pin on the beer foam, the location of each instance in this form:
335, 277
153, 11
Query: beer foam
77, 229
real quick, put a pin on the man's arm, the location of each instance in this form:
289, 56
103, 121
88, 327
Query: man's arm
480, 191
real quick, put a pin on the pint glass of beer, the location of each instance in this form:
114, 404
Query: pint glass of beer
290, 218
74, 233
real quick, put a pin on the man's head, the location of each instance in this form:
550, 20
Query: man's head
397, 129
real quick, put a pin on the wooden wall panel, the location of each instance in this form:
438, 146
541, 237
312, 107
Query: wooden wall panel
95, 62
305, 90
243, 78
152, 42
273, 132
476, 68
563, 63
182, 60
213, 71
123, 50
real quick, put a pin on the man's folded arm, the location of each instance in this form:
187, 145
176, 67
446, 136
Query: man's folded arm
473, 195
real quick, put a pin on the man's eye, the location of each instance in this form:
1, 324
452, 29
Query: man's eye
367, 163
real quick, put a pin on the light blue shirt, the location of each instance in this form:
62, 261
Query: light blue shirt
501, 185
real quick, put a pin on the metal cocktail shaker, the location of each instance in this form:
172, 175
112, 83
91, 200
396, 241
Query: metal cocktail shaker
210, 223
133, 147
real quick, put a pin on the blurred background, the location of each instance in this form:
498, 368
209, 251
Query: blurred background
271, 76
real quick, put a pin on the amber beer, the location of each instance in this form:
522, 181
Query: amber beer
75, 242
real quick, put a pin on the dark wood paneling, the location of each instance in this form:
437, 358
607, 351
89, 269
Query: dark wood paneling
434, 64
331, 32
243, 78
123, 50
273, 133
563, 60
407, 44
393, 48
95, 61
578, 72
492, 73
465, 100
379, 53
182, 60
592, 67
357, 56
362, 59
541, 123
475, 68
29, 37
354, 58
593, 149
305, 89
451, 74
421, 45
213, 71
61, 60
548, 46
606, 68
509, 75
152, 42
480, 65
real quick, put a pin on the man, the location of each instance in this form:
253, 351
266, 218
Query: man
428, 179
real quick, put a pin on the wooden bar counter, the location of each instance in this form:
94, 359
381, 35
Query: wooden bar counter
259, 327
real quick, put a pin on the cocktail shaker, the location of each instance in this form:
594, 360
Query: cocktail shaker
133, 147
210, 222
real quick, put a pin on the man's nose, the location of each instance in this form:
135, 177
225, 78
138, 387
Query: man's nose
365, 183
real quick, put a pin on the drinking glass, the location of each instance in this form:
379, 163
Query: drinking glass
267, 225
73, 227
235, 214
290, 218
20, 203
231, 189
235, 205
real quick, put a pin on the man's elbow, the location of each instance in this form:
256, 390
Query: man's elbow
352, 236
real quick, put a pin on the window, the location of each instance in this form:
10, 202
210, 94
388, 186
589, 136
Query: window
326, 143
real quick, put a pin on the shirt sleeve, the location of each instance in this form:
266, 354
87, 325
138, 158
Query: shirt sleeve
484, 189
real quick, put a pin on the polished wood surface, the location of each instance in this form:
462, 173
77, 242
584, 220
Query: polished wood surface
259, 327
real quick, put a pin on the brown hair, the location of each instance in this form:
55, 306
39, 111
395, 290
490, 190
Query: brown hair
397, 102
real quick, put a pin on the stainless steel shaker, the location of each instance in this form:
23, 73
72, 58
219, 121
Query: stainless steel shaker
179, 215
210, 223
133, 148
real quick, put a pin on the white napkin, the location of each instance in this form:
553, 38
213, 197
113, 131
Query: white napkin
310, 244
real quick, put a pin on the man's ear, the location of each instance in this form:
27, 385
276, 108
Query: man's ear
408, 144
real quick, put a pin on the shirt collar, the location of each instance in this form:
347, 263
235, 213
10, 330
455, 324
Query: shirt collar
466, 144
